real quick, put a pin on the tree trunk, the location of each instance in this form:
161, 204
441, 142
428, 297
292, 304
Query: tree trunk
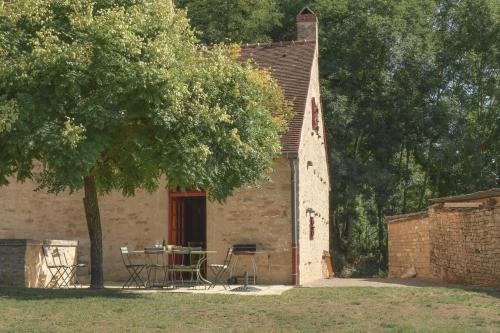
347, 235
406, 181
93, 217
382, 240
394, 202
426, 178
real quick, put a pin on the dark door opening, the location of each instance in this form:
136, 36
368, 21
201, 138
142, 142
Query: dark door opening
187, 225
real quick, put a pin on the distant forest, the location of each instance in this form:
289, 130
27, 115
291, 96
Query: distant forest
410, 91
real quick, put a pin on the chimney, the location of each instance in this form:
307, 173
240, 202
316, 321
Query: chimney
307, 25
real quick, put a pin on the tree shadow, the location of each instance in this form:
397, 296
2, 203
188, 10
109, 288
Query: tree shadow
414, 282
77, 293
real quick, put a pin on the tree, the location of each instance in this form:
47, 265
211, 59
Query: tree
375, 63
411, 97
468, 57
234, 21
115, 94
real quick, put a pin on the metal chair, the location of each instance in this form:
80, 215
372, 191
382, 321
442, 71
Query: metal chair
220, 270
156, 264
62, 273
184, 261
133, 269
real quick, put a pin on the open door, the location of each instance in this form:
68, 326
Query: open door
187, 224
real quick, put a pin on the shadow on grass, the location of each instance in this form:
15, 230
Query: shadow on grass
47, 294
493, 292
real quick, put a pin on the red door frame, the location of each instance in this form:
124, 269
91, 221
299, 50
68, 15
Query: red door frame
172, 225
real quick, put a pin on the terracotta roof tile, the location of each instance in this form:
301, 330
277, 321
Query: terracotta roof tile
290, 64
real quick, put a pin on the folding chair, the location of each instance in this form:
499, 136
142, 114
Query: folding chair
156, 263
72, 269
62, 273
185, 262
133, 269
220, 270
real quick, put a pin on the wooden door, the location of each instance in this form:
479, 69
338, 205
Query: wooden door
176, 221
177, 216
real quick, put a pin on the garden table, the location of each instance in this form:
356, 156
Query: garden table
202, 259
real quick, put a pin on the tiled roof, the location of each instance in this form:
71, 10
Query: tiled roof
494, 192
290, 64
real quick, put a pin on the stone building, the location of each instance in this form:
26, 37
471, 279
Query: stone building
287, 217
456, 240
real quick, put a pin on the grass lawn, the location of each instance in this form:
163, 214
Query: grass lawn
298, 310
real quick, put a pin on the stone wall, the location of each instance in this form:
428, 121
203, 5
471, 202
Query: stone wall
409, 245
256, 215
135, 222
466, 245
23, 262
313, 190
459, 242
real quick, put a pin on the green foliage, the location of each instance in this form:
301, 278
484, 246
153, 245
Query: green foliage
466, 157
410, 90
120, 90
235, 21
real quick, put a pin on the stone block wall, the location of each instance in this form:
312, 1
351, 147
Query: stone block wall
256, 215
409, 245
466, 245
23, 262
136, 222
313, 190
456, 242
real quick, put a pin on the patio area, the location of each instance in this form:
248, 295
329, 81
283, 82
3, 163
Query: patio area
257, 290
54, 264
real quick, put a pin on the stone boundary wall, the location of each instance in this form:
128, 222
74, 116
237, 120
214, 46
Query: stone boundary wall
466, 245
409, 245
23, 262
456, 241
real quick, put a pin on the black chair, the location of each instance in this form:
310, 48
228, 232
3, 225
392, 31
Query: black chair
220, 271
133, 269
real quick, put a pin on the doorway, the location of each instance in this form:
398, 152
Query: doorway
187, 219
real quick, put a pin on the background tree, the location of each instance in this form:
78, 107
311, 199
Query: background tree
411, 97
115, 94
232, 21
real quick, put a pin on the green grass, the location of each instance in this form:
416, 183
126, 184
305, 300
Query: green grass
298, 310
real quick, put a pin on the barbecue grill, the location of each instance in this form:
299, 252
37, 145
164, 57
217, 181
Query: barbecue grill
244, 248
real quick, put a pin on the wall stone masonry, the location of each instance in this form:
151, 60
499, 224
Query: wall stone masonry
256, 215
455, 241
23, 264
409, 245
136, 222
313, 189
466, 245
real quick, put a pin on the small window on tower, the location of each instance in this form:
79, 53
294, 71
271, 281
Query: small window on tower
311, 228
315, 115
